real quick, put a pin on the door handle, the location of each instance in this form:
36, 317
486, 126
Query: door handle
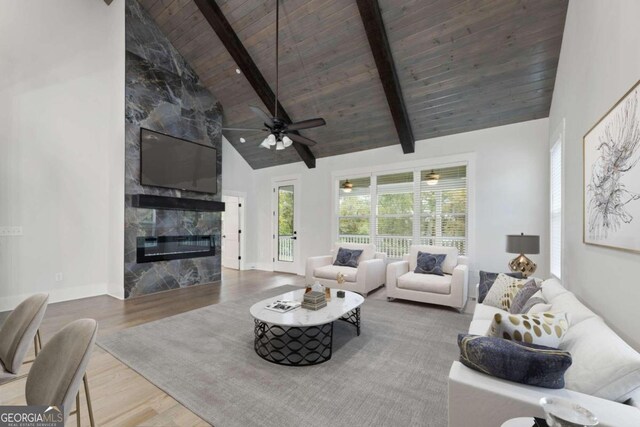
224, 237
294, 238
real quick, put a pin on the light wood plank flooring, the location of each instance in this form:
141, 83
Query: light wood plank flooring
120, 396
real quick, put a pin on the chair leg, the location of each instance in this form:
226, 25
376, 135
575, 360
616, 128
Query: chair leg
88, 396
78, 409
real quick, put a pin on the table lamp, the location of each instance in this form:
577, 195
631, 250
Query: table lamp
521, 244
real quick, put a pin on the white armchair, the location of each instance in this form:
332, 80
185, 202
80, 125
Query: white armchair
369, 275
450, 289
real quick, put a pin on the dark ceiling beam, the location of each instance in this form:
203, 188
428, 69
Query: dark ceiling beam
236, 49
377, 35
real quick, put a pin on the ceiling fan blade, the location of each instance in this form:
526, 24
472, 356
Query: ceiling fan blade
246, 129
262, 115
306, 124
301, 139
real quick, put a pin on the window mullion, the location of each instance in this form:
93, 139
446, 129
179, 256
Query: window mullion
416, 207
373, 203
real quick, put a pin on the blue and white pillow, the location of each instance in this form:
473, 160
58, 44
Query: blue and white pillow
515, 361
348, 257
429, 263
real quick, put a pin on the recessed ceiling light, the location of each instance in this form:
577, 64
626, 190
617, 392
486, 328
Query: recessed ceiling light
242, 140
238, 71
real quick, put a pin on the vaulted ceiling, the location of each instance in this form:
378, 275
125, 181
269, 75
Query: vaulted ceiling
461, 65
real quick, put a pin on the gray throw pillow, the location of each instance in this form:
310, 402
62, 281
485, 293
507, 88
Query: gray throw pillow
523, 296
530, 303
429, 263
348, 257
486, 281
519, 362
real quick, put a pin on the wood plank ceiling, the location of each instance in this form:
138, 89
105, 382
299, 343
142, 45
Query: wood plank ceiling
462, 65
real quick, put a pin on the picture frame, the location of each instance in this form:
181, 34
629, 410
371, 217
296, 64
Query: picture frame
611, 177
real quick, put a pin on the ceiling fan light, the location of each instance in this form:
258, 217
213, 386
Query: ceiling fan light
280, 145
265, 144
287, 141
432, 178
272, 139
347, 186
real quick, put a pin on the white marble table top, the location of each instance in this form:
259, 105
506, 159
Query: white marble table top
301, 317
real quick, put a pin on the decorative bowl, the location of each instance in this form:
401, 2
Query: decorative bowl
564, 413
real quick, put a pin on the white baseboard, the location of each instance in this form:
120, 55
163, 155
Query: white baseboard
264, 266
56, 295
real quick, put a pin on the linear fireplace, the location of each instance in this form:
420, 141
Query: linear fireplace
164, 248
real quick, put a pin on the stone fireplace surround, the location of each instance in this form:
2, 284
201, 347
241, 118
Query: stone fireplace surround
164, 94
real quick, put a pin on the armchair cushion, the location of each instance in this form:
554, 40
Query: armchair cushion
331, 272
425, 283
449, 263
347, 257
430, 263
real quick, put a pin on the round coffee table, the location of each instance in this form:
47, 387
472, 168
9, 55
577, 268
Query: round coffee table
301, 337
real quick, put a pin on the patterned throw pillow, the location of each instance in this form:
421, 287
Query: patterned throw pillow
535, 299
429, 263
519, 362
486, 281
348, 257
503, 291
546, 328
523, 296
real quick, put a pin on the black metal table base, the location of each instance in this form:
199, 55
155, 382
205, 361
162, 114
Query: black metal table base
295, 346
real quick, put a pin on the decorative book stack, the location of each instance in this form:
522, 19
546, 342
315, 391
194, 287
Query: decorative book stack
314, 300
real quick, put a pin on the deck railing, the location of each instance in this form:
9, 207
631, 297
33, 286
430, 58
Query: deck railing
396, 246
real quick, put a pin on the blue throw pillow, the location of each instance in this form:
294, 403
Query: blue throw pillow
429, 263
348, 257
487, 279
520, 300
515, 361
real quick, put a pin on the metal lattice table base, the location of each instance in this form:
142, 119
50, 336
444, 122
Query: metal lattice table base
294, 346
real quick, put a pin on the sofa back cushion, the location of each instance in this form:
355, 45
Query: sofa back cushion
368, 250
603, 364
551, 288
449, 262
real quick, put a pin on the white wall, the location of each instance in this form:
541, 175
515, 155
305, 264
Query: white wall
599, 62
512, 191
62, 148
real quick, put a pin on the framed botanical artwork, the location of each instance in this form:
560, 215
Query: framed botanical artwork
611, 168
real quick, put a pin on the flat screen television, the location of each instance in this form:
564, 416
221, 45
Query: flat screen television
170, 162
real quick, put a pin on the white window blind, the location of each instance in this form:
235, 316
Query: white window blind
443, 207
396, 210
354, 211
556, 210
394, 213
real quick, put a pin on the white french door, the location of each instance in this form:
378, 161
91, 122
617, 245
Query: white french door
231, 229
286, 222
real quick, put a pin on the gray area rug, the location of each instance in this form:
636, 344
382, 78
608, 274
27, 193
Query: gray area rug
393, 374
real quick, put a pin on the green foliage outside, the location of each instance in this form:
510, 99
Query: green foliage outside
285, 211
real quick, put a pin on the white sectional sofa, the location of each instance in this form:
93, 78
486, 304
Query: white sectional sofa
604, 369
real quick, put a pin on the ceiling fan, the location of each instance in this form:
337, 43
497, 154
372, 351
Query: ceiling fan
281, 133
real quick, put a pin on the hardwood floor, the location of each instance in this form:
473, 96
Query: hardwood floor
120, 396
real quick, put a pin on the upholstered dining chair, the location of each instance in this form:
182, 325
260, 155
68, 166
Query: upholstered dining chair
16, 333
60, 368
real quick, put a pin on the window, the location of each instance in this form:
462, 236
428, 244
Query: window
396, 210
556, 210
394, 213
443, 207
354, 211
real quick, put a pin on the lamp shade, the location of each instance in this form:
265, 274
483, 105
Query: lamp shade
523, 244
